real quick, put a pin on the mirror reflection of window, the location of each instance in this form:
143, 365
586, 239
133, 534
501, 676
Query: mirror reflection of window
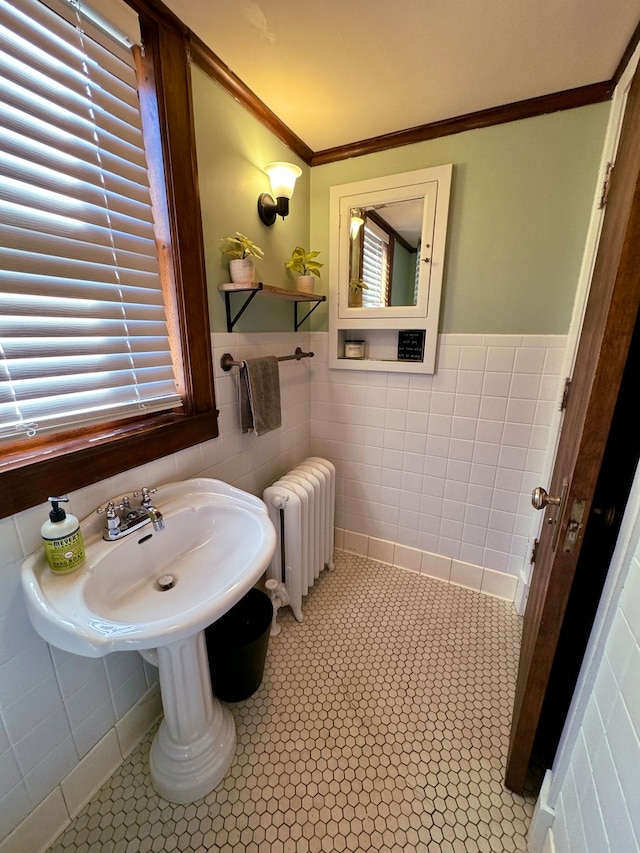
384, 252
416, 273
375, 266
356, 223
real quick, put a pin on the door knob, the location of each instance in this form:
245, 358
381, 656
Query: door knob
540, 498
607, 515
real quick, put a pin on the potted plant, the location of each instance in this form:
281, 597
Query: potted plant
303, 263
241, 251
356, 286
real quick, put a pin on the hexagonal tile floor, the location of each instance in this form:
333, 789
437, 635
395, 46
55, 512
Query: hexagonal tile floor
381, 724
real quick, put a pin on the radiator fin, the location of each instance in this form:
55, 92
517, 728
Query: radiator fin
301, 505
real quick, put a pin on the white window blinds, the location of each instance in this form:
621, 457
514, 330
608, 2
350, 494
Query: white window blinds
416, 276
83, 333
375, 266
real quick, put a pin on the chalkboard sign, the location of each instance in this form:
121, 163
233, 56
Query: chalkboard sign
411, 345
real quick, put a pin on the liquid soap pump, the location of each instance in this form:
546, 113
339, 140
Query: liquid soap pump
62, 539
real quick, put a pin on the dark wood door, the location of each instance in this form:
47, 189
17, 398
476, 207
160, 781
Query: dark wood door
604, 345
619, 464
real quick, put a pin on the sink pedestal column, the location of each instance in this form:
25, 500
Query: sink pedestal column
195, 744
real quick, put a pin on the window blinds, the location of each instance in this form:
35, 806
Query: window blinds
375, 266
83, 333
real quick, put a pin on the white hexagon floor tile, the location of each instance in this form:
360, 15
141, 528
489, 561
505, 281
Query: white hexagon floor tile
381, 724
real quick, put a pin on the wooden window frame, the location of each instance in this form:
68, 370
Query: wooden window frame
29, 473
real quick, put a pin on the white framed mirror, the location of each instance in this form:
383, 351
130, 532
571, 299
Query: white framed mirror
388, 239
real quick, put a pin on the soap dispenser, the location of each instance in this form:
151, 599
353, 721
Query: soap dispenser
62, 539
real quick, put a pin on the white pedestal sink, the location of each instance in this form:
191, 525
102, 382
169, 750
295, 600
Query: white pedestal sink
196, 741
216, 544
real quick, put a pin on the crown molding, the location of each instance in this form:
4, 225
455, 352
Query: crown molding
212, 65
626, 56
555, 102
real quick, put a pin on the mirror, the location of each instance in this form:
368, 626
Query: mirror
388, 238
386, 245
385, 241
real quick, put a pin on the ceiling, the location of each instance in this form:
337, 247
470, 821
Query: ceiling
341, 71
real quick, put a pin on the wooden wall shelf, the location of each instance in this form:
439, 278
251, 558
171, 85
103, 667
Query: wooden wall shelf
272, 292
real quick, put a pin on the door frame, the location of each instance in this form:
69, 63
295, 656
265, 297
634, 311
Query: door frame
604, 341
594, 230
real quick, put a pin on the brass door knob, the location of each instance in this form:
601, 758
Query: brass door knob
540, 498
607, 515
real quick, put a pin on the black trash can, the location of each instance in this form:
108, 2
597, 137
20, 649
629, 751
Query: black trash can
237, 647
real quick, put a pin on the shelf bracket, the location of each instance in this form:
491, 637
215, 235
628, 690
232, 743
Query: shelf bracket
298, 323
231, 321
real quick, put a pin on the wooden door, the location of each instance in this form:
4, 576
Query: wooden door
602, 354
619, 464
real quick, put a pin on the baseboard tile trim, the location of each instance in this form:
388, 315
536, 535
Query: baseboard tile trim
139, 720
521, 596
37, 832
91, 773
549, 844
40, 828
540, 837
436, 566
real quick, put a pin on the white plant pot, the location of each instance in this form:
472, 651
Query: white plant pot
242, 271
306, 283
355, 298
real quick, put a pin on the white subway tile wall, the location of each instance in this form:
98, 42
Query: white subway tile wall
598, 805
443, 464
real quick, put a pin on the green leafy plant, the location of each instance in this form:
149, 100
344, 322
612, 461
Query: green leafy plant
357, 284
303, 262
240, 247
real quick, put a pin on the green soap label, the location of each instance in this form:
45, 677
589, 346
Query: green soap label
66, 553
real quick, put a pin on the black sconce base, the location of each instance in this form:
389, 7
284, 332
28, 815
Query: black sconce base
267, 208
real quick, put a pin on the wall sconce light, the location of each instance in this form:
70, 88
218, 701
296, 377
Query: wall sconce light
356, 222
283, 178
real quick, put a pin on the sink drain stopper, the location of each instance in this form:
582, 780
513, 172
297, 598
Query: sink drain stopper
166, 582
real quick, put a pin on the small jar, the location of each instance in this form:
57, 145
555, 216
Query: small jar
354, 349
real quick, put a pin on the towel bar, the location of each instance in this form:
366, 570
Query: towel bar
227, 362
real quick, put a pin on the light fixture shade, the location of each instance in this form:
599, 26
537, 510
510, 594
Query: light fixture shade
356, 223
283, 178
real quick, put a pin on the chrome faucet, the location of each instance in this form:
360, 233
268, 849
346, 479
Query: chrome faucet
155, 516
122, 519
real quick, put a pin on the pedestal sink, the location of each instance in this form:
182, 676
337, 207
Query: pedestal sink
155, 592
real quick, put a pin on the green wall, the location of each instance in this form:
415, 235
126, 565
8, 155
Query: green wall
520, 206
232, 147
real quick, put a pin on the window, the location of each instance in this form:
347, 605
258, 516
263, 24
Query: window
83, 326
87, 342
375, 266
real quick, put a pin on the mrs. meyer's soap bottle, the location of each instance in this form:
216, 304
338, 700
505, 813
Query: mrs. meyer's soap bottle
62, 539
